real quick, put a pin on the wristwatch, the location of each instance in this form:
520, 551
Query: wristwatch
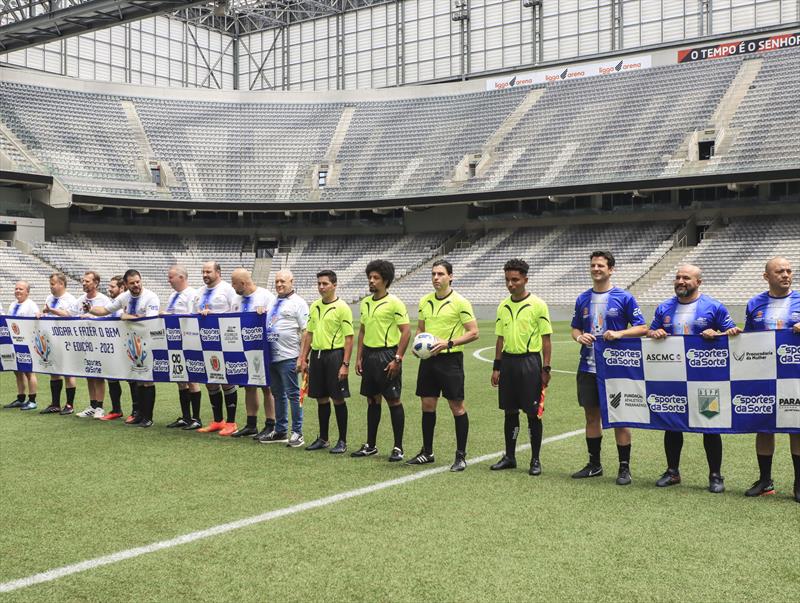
398, 359
547, 369
450, 344
345, 364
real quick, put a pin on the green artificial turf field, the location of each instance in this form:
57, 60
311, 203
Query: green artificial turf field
75, 490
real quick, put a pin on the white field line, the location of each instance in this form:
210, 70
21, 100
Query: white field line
477, 354
224, 528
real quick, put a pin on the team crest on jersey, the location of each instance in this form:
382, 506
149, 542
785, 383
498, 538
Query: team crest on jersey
612, 312
708, 402
586, 312
667, 319
42, 346
136, 350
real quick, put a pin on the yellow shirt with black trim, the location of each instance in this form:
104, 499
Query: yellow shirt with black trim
381, 319
445, 318
522, 324
329, 324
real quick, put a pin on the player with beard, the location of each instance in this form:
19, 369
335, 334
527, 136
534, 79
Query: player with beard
776, 308
692, 313
250, 298
59, 300
181, 301
216, 297
116, 285
24, 306
136, 302
603, 311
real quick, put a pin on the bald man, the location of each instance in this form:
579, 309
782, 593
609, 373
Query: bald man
216, 297
24, 306
182, 301
250, 298
286, 323
692, 313
776, 308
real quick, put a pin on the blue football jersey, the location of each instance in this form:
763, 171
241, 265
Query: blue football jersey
767, 313
692, 318
596, 313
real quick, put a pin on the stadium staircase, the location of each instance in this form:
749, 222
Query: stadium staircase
666, 265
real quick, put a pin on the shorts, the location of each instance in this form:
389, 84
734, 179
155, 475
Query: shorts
588, 394
520, 382
323, 375
442, 375
374, 381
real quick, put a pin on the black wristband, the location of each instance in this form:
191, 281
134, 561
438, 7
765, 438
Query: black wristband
496, 365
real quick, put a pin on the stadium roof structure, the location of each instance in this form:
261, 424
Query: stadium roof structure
27, 23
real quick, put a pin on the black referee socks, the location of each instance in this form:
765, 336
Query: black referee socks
373, 421
341, 419
324, 416
511, 431
183, 397
593, 444
462, 430
535, 430
428, 426
398, 416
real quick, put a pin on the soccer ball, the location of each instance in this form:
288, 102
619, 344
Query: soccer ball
423, 342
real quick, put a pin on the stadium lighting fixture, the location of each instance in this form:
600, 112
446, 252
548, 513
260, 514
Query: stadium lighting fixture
220, 8
460, 10
531, 3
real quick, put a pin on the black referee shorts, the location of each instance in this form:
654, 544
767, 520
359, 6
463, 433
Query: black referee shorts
520, 382
374, 381
323, 375
442, 375
588, 394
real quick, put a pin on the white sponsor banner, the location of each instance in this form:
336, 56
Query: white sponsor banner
572, 72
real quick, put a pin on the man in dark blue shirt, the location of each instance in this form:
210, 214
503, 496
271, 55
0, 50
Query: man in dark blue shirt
777, 308
692, 313
602, 311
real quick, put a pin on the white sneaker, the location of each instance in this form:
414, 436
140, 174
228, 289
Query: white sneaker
99, 413
295, 440
86, 414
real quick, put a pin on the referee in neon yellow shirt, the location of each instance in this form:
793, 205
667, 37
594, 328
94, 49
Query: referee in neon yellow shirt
522, 362
448, 316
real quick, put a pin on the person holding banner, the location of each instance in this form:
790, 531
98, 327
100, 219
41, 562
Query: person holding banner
286, 321
250, 298
59, 300
182, 302
216, 297
329, 339
776, 308
603, 311
24, 306
136, 302
116, 285
692, 313
521, 366
382, 342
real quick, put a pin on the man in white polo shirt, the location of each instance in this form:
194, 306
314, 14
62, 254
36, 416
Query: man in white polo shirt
24, 306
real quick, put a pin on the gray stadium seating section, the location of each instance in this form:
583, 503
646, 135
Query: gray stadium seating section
16, 265
623, 127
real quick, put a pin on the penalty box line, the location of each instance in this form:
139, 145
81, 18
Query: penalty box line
90, 564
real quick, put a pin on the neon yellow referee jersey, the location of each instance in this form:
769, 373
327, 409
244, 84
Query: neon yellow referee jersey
521, 324
381, 319
445, 318
330, 324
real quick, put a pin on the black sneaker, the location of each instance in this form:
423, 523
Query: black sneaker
179, 422
263, 432
365, 450
396, 456
460, 463
318, 444
588, 471
67, 410
244, 431
421, 459
51, 410
504, 463
135, 421
669, 478
192, 425
340, 448
716, 483
273, 437
763, 487
144, 423
15, 404
624, 475
536, 467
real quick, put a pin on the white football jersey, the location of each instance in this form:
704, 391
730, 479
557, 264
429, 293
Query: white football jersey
182, 302
26, 308
217, 300
286, 320
145, 304
65, 302
83, 303
260, 298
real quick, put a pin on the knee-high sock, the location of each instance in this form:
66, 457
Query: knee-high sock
55, 392
183, 397
216, 404
462, 431
324, 415
594, 445
428, 427
535, 429
373, 421
70, 395
511, 431
115, 393
673, 444
195, 399
341, 420
712, 442
231, 400
398, 416
134, 388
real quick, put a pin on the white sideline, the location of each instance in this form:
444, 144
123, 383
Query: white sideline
90, 564
477, 354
